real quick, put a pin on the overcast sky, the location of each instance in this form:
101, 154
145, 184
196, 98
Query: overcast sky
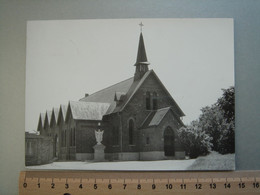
194, 58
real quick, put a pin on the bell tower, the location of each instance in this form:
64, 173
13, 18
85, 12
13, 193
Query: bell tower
141, 60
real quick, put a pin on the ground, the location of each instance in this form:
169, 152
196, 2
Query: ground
213, 161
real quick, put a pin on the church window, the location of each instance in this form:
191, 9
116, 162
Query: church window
131, 131
148, 100
147, 140
64, 138
155, 103
74, 137
115, 136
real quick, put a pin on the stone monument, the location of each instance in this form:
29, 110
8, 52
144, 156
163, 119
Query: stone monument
99, 154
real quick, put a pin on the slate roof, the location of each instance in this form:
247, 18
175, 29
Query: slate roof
158, 116
87, 110
119, 96
155, 117
107, 95
126, 88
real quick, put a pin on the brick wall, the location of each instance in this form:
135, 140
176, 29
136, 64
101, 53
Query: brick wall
38, 149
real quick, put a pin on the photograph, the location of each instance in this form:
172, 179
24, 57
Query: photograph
130, 94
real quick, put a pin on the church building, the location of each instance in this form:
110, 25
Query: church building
139, 117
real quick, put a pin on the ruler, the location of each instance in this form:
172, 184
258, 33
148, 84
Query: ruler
100, 182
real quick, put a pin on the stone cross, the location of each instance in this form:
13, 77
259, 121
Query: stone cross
141, 26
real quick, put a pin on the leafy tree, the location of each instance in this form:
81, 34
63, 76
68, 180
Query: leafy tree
214, 129
227, 103
213, 122
218, 121
195, 141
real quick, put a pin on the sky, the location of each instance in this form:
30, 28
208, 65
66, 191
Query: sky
194, 59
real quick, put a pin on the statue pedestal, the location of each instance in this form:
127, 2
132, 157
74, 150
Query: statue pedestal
99, 154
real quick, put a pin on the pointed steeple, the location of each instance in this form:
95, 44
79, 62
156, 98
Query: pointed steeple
141, 54
141, 60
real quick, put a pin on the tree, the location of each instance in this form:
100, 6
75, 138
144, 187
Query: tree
218, 121
195, 141
227, 103
214, 129
213, 122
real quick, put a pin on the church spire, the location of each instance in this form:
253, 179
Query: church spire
141, 60
141, 54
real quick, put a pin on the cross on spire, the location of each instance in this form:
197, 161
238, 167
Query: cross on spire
141, 26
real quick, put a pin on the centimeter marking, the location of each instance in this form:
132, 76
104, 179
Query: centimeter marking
79, 182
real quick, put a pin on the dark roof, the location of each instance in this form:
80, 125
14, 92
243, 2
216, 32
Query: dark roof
141, 54
155, 117
126, 88
107, 95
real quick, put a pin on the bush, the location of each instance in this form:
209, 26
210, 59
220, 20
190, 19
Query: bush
195, 141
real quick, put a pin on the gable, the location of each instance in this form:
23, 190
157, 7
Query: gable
47, 119
41, 122
54, 117
150, 81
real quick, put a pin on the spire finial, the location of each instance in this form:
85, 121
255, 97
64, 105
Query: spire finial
141, 26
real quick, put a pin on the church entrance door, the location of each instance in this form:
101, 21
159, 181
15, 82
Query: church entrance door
169, 137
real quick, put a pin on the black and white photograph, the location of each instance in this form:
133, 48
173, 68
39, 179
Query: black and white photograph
130, 94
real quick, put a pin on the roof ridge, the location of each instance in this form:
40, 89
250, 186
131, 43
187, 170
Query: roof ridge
108, 87
83, 102
169, 107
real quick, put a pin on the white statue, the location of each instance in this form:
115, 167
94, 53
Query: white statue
99, 136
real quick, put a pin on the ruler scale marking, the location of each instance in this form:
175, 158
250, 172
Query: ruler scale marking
242, 183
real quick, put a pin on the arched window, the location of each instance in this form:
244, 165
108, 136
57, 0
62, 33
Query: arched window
131, 131
65, 138
74, 137
155, 103
147, 140
148, 100
115, 138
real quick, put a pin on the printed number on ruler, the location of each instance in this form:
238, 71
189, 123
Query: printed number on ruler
80, 185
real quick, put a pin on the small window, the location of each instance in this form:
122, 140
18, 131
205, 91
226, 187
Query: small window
131, 132
147, 140
65, 138
74, 137
148, 101
155, 102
